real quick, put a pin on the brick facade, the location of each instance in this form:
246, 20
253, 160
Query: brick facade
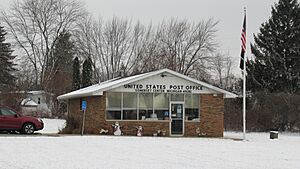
210, 125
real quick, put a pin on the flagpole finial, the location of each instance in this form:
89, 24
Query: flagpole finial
245, 9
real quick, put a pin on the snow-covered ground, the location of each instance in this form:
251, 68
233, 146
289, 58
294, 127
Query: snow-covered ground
76, 152
52, 125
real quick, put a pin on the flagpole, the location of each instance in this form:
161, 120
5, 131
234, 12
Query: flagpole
244, 93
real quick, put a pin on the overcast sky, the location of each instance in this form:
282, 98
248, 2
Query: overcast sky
229, 13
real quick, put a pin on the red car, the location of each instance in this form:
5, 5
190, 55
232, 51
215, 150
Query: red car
10, 120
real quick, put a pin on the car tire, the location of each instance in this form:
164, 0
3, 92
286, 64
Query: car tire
28, 128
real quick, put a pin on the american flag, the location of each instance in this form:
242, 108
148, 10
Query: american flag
243, 39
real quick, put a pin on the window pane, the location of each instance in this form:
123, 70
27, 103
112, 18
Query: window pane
145, 114
113, 115
146, 100
7, 112
192, 114
113, 100
177, 97
161, 100
129, 115
192, 107
162, 114
130, 100
188, 100
196, 101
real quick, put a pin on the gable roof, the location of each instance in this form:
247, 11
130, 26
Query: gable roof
98, 89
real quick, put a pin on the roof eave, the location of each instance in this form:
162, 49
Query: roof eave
146, 75
67, 97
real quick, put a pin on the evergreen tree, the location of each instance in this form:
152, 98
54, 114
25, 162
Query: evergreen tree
62, 60
76, 74
276, 66
87, 73
63, 53
6, 62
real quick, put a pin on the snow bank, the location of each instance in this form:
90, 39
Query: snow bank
52, 125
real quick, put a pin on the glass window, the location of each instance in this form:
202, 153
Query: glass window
113, 115
146, 107
129, 114
177, 97
7, 112
145, 114
146, 101
161, 106
129, 100
161, 101
192, 107
188, 101
129, 106
113, 100
113, 105
162, 114
191, 114
196, 100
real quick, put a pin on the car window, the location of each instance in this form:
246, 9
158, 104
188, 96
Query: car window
7, 112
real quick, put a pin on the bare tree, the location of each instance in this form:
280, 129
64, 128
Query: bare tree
36, 25
222, 68
150, 57
110, 44
218, 66
178, 45
184, 43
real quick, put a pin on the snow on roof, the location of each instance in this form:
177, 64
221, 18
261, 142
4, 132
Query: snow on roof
98, 89
34, 92
28, 102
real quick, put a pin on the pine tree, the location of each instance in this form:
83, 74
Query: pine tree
62, 60
276, 66
6, 62
63, 52
87, 73
76, 74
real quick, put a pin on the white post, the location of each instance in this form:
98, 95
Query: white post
244, 90
83, 119
244, 100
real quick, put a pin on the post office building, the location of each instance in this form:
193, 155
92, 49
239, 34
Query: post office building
162, 102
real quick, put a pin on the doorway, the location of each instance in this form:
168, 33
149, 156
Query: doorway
176, 118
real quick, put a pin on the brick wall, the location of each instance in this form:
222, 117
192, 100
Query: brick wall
211, 115
210, 125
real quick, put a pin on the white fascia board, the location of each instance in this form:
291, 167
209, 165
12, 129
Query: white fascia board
98, 93
226, 93
65, 97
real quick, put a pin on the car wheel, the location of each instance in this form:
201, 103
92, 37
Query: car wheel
28, 128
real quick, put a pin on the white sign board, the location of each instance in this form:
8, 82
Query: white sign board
163, 84
163, 88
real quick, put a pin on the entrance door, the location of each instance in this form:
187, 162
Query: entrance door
177, 118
